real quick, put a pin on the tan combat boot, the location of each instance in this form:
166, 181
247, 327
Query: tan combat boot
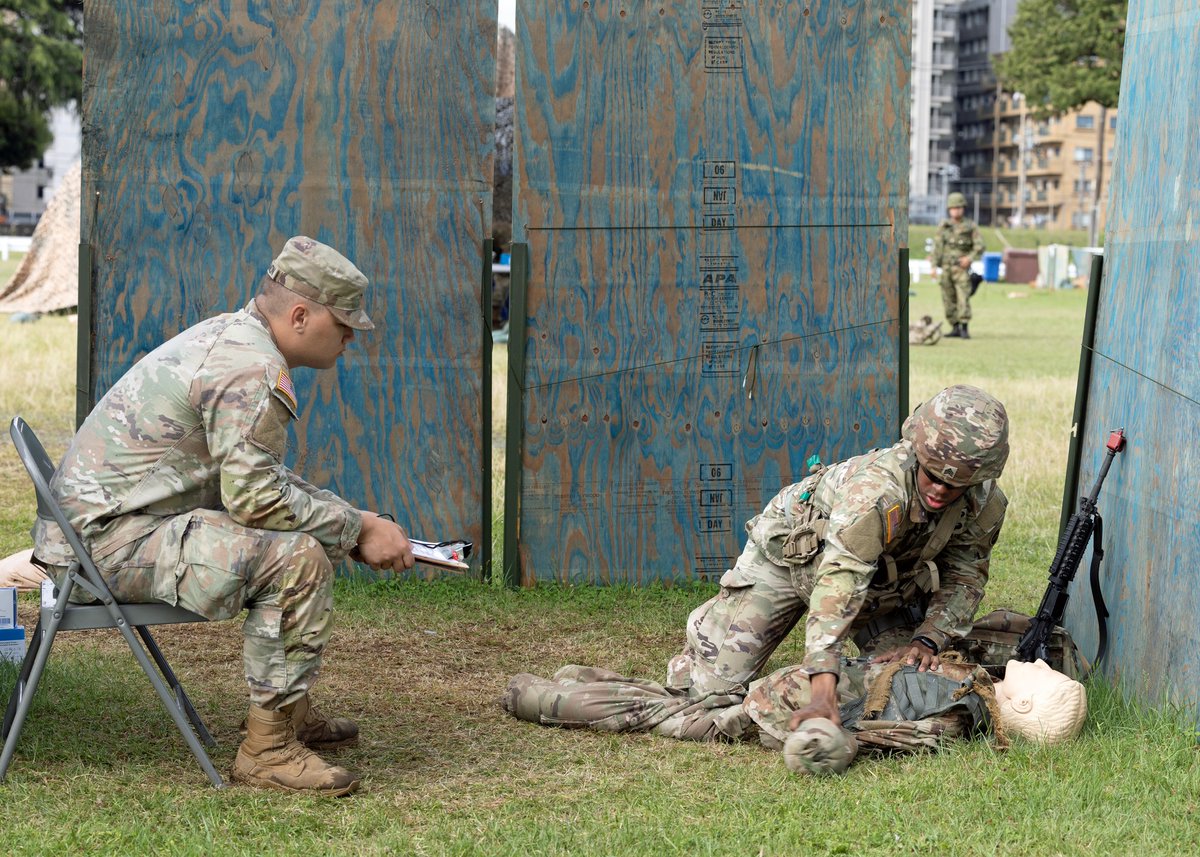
319, 732
272, 758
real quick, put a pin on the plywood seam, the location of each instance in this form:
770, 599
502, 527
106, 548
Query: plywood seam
690, 357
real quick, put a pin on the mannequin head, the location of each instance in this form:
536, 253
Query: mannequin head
1040, 703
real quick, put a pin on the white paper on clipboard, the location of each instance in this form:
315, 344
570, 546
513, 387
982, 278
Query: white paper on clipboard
442, 554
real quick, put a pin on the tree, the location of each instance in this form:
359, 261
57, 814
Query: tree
41, 66
1064, 54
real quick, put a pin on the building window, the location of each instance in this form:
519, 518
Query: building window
1085, 122
1112, 122
1084, 154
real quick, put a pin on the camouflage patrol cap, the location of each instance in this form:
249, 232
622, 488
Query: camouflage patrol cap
956, 200
819, 747
960, 435
318, 272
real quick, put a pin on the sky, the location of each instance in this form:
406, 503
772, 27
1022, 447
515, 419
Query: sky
507, 14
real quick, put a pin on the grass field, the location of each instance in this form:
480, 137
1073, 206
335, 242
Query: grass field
996, 240
100, 770
9, 266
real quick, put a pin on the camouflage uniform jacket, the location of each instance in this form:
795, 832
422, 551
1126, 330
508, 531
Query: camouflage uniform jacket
199, 423
955, 240
867, 554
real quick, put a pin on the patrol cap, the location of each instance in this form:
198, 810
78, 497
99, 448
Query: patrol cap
956, 200
318, 272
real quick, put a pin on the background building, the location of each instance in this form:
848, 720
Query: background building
1047, 171
26, 194
982, 34
969, 136
934, 51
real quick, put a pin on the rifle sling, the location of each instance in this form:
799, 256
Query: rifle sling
1097, 594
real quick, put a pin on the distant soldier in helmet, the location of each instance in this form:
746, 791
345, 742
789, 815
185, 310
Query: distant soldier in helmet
890, 549
955, 246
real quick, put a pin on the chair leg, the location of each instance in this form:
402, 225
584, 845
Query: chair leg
180, 695
172, 704
22, 681
23, 691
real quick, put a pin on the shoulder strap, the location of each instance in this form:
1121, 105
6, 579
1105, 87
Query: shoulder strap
993, 509
1097, 594
943, 530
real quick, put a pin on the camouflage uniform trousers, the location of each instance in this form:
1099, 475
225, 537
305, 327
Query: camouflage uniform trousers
710, 693
732, 635
956, 294
207, 563
595, 698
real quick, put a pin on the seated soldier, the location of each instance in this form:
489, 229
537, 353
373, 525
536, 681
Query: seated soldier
891, 549
177, 486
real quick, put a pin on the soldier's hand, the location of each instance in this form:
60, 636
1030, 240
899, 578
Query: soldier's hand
914, 654
964, 262
382, 545
823, 704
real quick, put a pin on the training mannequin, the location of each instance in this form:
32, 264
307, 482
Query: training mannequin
1039, 703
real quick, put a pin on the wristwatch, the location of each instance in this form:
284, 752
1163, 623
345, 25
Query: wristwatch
926, 642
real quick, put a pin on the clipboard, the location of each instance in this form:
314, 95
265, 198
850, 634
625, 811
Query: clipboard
450, 555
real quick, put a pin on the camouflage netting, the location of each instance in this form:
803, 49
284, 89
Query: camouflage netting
48, 278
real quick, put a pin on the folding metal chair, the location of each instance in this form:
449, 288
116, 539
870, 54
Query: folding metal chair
59, 614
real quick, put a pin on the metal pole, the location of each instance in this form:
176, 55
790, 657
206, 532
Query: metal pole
1021, 141
485, 409
902, 370
83, 336
515, 444
1082, 389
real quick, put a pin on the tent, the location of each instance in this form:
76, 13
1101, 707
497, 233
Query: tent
48, 277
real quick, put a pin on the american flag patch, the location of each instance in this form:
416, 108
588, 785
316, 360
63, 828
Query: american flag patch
284, 385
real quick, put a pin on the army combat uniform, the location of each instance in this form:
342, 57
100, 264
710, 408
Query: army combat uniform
853, 547
176, 484
951, 242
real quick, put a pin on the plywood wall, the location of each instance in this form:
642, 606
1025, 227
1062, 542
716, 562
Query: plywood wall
1145, 372
714, 198
214, 131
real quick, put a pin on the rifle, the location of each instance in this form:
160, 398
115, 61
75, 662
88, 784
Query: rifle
1083, 524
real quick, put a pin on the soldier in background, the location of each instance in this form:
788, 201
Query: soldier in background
176, 484
955, 246
890, 549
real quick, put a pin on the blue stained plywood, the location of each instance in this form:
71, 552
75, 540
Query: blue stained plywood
1145, 375
214, 131
714, 198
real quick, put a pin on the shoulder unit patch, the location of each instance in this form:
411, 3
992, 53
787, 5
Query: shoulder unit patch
892, 516
285, 390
